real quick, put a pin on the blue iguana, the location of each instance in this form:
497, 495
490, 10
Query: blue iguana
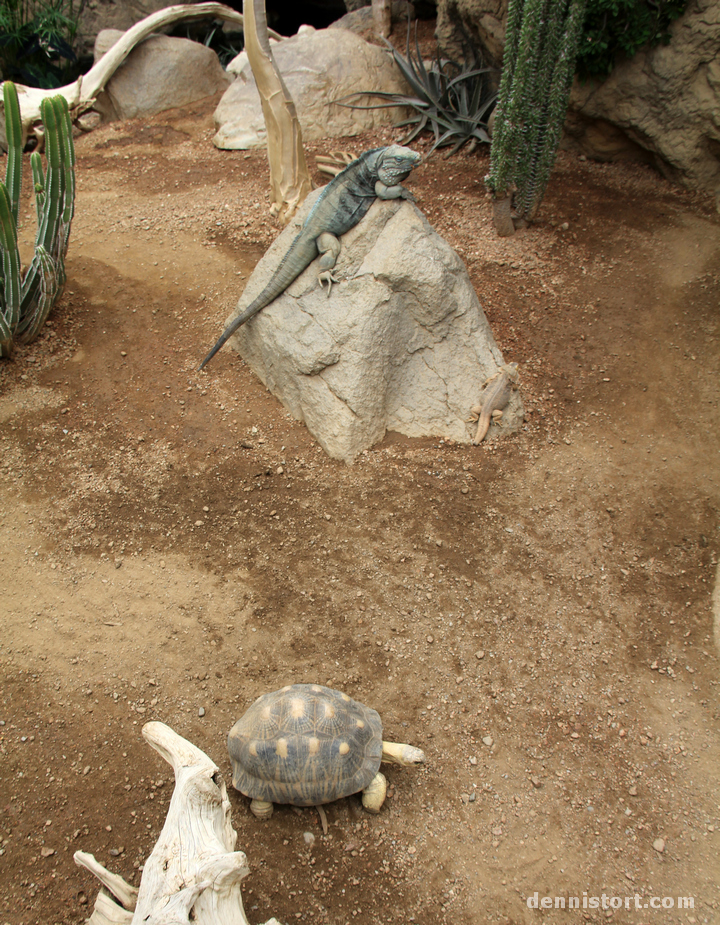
343, 202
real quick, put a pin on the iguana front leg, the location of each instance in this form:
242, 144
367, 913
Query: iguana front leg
392, 192
329, 247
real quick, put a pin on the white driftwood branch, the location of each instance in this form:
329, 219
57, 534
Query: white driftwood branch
289, 175
83, 91
194, 866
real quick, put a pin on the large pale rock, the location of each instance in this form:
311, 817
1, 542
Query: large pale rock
662, 105
319, 67
400, 344
161, 73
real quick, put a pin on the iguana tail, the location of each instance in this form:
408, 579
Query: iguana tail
251, 310
300, 255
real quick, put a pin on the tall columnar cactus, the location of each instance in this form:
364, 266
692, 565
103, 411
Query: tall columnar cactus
26, 296
541, 45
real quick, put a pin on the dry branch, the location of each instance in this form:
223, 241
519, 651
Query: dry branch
81, 94
194, 867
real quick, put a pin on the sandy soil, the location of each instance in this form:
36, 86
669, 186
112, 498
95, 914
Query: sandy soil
535, 614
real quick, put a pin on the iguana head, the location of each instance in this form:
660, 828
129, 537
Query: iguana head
395, 163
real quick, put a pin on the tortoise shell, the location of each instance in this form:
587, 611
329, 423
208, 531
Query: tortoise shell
305, 744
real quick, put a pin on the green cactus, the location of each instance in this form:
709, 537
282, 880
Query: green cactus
26, 297
541, 45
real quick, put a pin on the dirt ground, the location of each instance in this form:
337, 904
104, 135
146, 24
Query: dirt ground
534, 613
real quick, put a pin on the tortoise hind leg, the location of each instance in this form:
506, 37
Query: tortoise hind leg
261, 808
373, 796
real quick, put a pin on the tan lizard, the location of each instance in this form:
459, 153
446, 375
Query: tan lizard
494, 398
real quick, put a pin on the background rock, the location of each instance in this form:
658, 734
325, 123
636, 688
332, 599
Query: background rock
665, 100
401, 343
481, 22
662, 105
318, 67
359, 19
97, 15
161, 73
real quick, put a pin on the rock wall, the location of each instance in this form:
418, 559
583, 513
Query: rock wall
662, 105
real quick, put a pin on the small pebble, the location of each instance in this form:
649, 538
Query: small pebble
201, 711
430, 639
480, 654
659, 845
199, 523
309, 839
487, 740
473, 760
47, 852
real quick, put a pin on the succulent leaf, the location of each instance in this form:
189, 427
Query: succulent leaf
13, 131
9, 261
450, 99
26, 300
541, 46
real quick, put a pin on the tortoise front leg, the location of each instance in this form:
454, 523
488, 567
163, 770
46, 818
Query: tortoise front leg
373, 796
261, 808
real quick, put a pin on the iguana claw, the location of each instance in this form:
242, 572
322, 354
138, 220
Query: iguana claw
328, 278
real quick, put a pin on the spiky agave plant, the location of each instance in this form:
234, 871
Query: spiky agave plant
452, 100
27, 295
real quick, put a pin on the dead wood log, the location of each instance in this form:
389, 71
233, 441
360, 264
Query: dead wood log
193, 868
81, 94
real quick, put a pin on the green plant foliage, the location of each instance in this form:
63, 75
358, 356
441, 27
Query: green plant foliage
36, 39
539, 62
615, 28
27, 295
210, 33
453, 101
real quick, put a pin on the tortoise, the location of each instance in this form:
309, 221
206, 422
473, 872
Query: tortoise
306, 745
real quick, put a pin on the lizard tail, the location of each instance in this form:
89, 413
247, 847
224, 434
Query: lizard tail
483, 428
251, 310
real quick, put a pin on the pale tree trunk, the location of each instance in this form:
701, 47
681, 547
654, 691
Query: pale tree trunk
289, 176
382, 17
193, 873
